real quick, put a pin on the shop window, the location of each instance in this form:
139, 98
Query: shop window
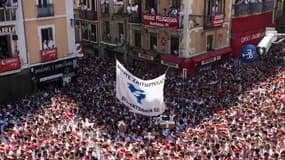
153, 41
210, 42
138, 39
5, 46
174, 46
47, 37
93, 31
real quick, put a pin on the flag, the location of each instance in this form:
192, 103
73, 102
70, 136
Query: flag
144, 97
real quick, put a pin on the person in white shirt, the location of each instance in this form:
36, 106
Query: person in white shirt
45, 45
50, 44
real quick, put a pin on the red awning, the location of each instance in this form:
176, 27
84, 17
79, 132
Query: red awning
211, 54
172, 61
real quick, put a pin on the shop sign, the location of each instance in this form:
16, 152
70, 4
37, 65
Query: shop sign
170, 64
8, 64
54, 67
7, 29
251, 37
209, 60
55, 76
49, 54
145, 56
160, 21
217, 20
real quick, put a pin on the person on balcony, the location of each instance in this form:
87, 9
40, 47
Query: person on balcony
180, 17
45, 45
51, 44
152, 11
173, 12
129, 9
135, 8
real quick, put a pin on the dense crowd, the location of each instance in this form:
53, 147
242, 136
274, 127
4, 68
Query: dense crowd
235, 111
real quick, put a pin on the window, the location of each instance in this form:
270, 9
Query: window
44, 3
105, 6
93, 32
47, 38
107, 34
45, 8
121, 32
5, 46
138, 39
214, 7
151, 4
107, 26
174, 45
153, 41
209, 42
176, 3
84, 31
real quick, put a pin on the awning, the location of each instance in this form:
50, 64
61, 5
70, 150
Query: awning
171, 60
213, 54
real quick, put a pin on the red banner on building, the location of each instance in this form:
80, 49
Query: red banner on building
8, 64
160, 21
49, 54
217, 20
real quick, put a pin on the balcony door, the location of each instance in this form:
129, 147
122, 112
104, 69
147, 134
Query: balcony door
47, 37
43, 3
5, 46
174, 46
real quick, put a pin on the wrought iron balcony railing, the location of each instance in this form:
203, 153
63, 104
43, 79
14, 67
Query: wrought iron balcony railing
45, 11
7, 14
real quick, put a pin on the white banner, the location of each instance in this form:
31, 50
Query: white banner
141, 96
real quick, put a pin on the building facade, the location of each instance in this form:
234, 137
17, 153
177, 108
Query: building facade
182, 34
187, 35
86, 25
50, 41
37, 46
279, 16
249, 21
13, 57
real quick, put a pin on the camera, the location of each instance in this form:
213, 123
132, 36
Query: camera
264, 45
266, 42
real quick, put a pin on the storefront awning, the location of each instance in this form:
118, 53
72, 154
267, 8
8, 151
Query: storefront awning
171, 60
211, 54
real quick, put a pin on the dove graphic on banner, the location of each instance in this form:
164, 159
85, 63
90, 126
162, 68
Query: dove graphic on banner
139, 94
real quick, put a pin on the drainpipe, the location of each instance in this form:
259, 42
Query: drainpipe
25, 35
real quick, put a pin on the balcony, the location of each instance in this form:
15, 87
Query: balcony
76, 13
135, 19
161, 21
10, 63
48, 54
268, 6
212, 21
88, 15
45, 11
252, 8
7, 14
